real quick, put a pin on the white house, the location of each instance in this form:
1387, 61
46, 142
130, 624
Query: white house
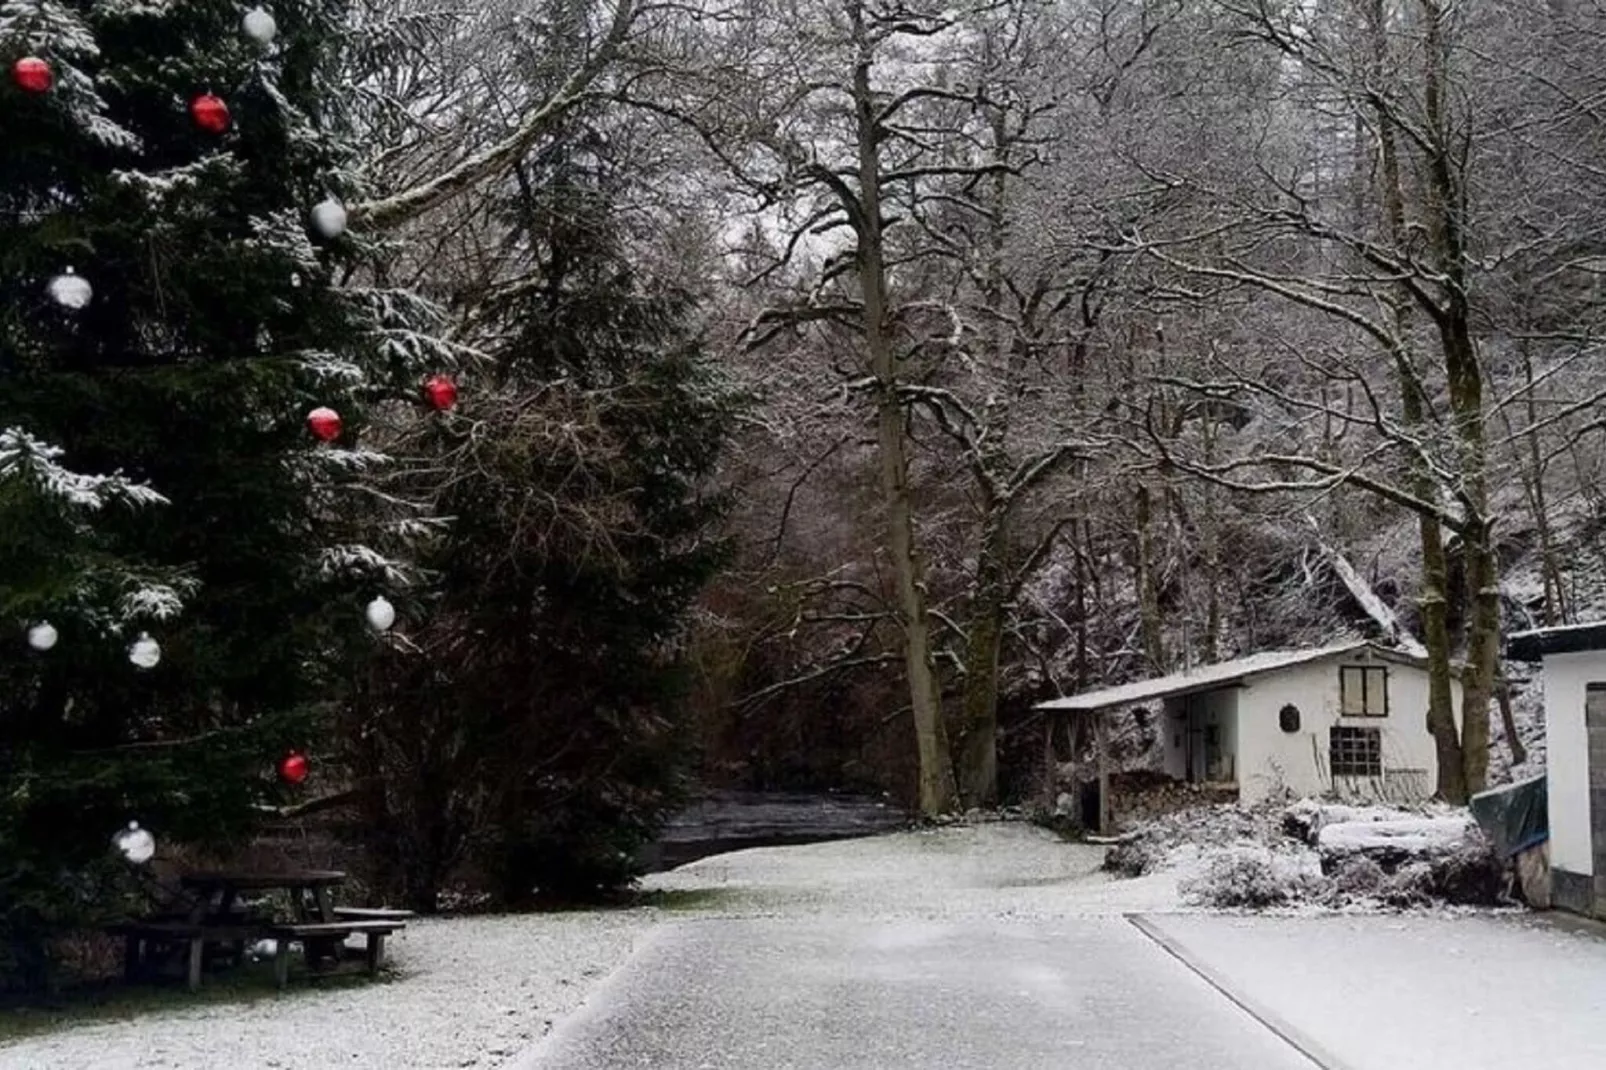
1574, 666
1349, 720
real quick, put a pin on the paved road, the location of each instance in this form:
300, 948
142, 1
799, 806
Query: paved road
882, 994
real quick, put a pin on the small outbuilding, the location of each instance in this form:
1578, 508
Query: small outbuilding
1349, 720
1573, 664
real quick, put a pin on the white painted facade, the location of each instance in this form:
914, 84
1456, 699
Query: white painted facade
1567, 757
1221, 723
1270, 759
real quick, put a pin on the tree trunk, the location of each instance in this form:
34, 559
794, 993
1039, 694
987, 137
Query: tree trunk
1502, 694
1147, 587
978, 753
931, 739
1452, 785
1451, 780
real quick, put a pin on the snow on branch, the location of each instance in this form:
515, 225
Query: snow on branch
498, 158
22, 456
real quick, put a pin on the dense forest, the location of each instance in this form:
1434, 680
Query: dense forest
833, 380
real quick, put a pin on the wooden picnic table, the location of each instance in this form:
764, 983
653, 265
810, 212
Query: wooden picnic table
214, 920
216, 891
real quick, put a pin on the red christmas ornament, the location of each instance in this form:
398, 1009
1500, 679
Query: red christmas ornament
293, 768
440, 392
324, 423
32, 75
210, 113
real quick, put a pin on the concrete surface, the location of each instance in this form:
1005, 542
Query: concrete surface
814, 993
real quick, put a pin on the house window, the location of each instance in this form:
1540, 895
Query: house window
1363, 691
1355, 751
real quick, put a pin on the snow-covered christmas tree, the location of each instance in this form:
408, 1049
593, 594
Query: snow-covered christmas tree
186, 375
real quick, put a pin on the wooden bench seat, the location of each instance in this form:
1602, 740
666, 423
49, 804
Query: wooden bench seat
372, 914
140, 936
325, 937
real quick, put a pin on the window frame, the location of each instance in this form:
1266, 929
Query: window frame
1367, 674
1363, 751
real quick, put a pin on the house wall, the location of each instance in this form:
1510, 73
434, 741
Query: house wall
1270, 759
1567, 758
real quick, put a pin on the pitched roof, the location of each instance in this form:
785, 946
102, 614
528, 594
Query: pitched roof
1212, 677
1562, 639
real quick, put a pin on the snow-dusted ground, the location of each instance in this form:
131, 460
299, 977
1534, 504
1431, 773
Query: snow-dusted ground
993, 870
474, 992
479, 992
1420, 991
469, 992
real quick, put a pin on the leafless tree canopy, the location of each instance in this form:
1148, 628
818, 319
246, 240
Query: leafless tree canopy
1083, 339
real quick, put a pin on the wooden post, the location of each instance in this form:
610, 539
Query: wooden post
376, 952
281, 961
1049, 717
197, 949
1101, 736
133, 945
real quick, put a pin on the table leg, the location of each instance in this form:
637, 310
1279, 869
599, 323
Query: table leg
376, 952
197, 946
326, 906
281, 961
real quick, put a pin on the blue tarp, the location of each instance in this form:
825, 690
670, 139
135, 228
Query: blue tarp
1516, 816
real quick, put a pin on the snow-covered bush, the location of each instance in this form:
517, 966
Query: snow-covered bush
1357, 878
1252, 876
1313, 852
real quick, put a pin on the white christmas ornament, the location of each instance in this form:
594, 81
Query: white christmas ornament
381, 614
137, 845
42, 636
70, 291
260, 27
145, 652
329, 218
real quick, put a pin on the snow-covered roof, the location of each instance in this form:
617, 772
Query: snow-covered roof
1561, 639
1211, 677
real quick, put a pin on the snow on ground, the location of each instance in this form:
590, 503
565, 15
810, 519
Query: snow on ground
1479, 992
468, 992
474, 992
994, 870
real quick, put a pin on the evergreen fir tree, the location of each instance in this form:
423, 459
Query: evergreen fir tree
539, 730
193, 504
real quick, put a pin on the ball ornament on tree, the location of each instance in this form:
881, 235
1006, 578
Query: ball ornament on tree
440, 392
71, 291
136, 844
324, 423
260, 26
32, 75
329, 218
210, 113
145, 652
381, 614
293, 767
42, 636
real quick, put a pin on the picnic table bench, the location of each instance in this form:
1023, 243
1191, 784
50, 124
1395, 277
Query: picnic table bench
216, 923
